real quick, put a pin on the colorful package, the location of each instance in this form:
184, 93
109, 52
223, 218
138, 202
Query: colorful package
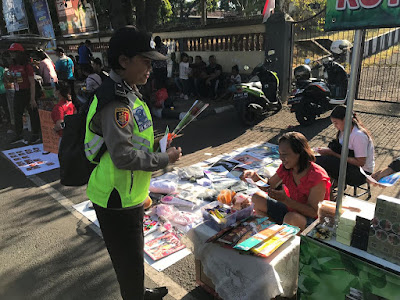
259, 237
269, 247
163, 246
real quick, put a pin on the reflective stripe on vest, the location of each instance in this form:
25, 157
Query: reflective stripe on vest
138, 139
93, 146
140, 147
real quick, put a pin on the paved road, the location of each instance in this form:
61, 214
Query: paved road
49, 253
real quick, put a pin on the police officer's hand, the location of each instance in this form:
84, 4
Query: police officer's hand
174, 154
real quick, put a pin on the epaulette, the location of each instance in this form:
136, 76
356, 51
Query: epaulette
110, 91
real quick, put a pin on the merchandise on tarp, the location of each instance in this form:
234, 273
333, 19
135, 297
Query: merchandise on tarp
15, 15
33, 159
181, 201
76, 17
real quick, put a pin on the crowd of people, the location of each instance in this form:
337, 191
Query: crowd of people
23, 75
192, 77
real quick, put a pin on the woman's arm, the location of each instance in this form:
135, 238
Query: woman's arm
32, 88
310, 209
274, 181
357, 161
58, 125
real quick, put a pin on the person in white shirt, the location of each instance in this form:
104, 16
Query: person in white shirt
183, 81
93, 80
361, 150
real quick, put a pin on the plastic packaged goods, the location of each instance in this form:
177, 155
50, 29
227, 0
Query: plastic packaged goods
162, 186
177, 202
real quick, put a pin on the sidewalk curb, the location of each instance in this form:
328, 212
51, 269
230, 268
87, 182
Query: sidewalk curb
213, 111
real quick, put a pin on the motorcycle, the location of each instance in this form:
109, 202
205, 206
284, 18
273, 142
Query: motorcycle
313, 97
255, 99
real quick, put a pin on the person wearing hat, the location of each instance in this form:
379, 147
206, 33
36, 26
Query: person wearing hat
22, 74
120, 138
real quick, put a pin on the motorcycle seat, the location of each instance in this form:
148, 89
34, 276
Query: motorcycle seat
256, 84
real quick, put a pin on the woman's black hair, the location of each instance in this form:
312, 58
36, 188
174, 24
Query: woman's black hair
64, 88
299, 145
97, 61
339, 112
60, 49
88, 69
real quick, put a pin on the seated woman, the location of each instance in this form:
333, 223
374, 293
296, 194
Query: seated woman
361, 150
305, 184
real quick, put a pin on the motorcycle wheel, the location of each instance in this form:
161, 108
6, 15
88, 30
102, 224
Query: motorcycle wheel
248, 116
304, 117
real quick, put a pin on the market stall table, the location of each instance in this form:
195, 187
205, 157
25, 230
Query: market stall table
238, 276
338, 271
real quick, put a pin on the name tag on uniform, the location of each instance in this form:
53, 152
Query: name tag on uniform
141, 119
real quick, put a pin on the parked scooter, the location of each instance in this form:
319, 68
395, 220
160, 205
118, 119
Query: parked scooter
313, 97
253, 100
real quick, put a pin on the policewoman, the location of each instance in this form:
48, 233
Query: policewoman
120, 138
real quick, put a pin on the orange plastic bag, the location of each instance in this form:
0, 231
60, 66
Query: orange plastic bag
226, 196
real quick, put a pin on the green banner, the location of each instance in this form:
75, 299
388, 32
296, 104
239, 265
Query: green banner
362, 14
329, 274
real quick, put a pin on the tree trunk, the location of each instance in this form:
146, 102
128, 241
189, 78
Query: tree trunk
140, 14
116, 11
128, 12
203, 10
151, 16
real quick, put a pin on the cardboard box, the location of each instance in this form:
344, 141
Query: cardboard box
203, 281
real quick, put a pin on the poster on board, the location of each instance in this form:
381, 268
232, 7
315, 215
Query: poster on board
76, 17
50, 138
43, 21
361, 14
15, 15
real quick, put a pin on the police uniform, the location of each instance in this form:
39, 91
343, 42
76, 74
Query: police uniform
120, 139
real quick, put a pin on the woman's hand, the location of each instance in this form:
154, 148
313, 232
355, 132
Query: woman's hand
326, 151
33, 103
278, 195
250, 174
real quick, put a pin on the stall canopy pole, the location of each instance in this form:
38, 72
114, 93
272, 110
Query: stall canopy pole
355, 61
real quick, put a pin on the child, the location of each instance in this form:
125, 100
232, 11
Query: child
93, 80
183, 81
233, 81
63, 108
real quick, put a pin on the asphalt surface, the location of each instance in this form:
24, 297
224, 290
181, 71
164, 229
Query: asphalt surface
49, 253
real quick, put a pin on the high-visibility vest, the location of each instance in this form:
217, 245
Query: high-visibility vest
132, 186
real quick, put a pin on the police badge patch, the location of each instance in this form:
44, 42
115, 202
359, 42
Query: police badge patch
141, 119
122, 116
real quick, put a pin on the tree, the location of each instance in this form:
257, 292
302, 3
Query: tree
243, 7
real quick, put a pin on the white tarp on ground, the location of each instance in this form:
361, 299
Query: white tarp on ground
32, 159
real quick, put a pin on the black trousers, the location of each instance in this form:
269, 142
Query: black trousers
21, 101
331, 164
123, 235
4, 105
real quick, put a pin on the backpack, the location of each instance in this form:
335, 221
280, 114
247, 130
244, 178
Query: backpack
75, 168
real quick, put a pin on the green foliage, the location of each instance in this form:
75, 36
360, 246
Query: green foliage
243, 7
165, 13
307, 8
